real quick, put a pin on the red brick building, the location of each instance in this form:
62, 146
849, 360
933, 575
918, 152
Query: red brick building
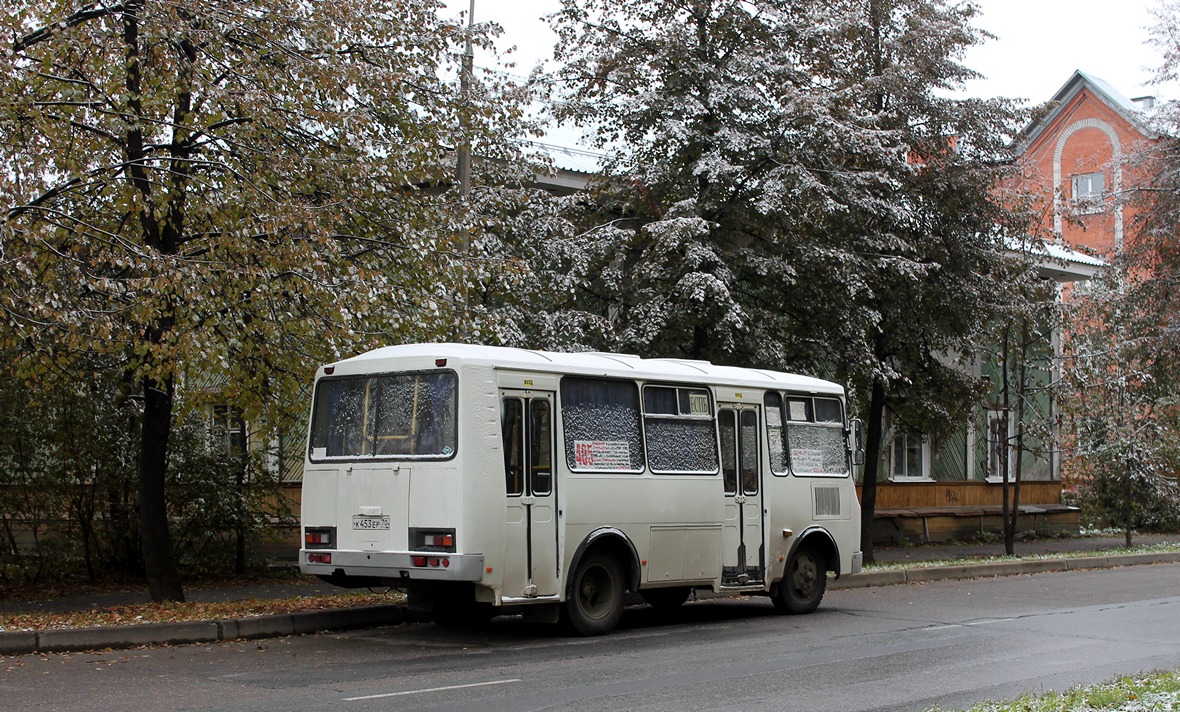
1078, 167
1080, 160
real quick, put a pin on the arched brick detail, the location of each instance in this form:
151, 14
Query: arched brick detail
1116, 175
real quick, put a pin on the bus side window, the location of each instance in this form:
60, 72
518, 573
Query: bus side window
540, 447
512, 424
728, 421
775, 435
749, 425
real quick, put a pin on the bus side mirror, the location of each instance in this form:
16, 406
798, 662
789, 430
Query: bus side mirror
856, 443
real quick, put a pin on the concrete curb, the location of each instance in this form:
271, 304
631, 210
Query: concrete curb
82, 639
1000, 568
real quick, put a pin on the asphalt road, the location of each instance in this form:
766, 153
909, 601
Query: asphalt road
949, 643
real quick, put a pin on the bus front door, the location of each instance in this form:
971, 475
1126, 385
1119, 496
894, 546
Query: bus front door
743, 560
530, 546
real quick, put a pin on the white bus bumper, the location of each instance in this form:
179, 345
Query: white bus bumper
418, 566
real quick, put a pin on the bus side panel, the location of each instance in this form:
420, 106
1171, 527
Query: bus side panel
796, 503
673, 521
479, 489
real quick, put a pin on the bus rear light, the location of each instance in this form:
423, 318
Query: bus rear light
440, 362
319, 537
418, 560
432, 540
319, 558
439, 540
434, 562
446, 563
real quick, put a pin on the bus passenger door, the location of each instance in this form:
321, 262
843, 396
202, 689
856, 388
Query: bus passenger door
530, 546
742, 559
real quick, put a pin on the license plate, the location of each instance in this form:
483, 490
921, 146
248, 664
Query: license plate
369, 523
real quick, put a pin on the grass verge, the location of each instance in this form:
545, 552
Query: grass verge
1140, 693
1118, 551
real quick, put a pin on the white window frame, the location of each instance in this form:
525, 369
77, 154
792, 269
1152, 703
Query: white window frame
993, 474
1086, 200
226, 424
902, 440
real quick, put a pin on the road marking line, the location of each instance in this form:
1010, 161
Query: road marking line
432, 689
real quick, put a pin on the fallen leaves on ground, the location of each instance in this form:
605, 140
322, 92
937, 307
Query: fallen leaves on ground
189, 611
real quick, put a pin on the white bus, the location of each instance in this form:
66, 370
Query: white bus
480, 477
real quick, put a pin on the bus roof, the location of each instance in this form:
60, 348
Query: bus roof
584, 363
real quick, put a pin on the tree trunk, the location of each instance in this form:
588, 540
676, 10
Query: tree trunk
159, 563
1127, 508
162, 238
1022, 396
1005, 402
868, 499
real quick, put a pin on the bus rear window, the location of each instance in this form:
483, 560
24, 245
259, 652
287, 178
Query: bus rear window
406, 415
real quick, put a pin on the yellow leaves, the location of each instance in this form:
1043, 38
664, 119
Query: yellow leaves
135, 614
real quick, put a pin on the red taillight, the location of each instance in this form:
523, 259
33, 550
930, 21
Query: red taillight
418, 560
317, 538
446, 563
434, 562
440, 362
329, 370
439, 540
319, 558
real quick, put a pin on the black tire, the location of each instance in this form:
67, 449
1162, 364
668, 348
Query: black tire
804, 582
665, 599
595, 601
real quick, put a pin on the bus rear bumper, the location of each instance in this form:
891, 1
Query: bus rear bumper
396, 565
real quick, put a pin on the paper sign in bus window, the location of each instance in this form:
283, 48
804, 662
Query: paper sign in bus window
774, 418
602, 454
807, 460
698, 404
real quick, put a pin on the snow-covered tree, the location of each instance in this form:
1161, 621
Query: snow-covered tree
791, 185
238, 190
1123, 419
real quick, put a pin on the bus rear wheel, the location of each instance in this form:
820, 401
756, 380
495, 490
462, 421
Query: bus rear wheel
595, 603
804, 582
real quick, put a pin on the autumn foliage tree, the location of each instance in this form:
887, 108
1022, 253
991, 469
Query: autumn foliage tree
233, 189
792, 185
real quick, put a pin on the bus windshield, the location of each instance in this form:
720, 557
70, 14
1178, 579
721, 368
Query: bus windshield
403, 415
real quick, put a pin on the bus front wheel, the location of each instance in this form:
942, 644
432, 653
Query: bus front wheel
595, 603
803, 584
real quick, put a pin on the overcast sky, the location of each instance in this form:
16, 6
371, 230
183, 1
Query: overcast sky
1038, 45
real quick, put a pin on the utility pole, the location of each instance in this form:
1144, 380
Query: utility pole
463, 170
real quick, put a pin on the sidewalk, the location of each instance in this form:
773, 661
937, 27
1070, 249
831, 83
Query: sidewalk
25, 642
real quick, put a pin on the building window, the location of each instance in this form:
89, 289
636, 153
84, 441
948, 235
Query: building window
227, 431
1088, 192
999, 439
910, 457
